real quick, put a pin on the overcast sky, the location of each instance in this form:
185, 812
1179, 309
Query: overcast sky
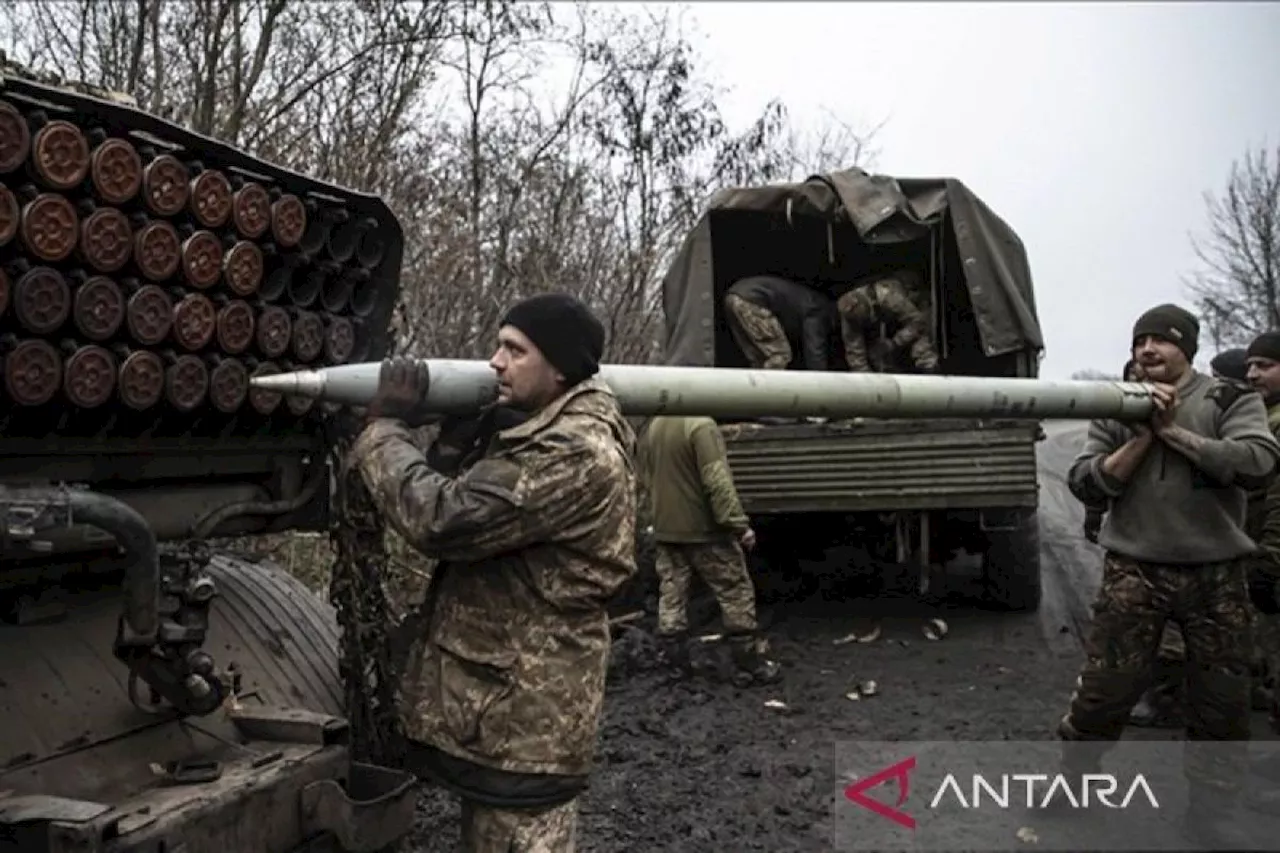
1092, 128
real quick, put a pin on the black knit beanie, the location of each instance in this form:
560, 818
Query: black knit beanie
1232, 364
1176, 325
564, 329
1265, 345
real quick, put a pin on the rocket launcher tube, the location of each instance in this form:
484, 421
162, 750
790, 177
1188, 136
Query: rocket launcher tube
461, 386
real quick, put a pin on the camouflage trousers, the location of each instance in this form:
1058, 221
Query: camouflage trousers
723, 568
758, 334
1211, 604
492, 830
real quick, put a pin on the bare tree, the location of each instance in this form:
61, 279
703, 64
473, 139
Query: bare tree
1238, 288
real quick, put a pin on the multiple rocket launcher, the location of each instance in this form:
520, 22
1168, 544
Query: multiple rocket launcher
142, 284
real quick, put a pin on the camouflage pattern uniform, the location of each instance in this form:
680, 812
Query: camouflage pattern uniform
758, 333
698, 522
772, 319
503, 698
881, 320
1171, 511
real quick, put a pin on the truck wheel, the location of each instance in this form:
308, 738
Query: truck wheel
282, 637
1011, 564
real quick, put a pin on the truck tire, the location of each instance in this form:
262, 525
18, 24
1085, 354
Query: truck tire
282, 637
1011, 563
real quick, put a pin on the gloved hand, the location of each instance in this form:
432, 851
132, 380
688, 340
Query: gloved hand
1092, 524
1262, 592
402, 391
461, 436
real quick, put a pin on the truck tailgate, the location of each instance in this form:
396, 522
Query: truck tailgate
883, 465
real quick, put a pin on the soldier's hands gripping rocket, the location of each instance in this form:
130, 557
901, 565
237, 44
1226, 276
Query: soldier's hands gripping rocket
402, 391
1166, 401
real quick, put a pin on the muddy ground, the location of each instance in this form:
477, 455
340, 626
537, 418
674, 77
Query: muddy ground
703, 766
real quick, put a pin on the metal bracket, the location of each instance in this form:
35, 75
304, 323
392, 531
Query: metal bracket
289, 725
372, 810
998, 520
24, 511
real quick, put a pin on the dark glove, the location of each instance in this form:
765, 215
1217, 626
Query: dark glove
402, 391
1092, 524
463, 435
463, 432
1262, 592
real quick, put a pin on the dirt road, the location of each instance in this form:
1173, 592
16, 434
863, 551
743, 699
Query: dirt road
702, 766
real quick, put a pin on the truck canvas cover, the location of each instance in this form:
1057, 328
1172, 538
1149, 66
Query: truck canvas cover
843, 220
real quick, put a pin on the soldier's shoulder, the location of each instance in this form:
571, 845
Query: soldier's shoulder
1224, 393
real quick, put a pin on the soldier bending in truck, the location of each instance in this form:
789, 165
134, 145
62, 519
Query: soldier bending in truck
534, 534
700, 529
883, 326
1176, 549
773, 319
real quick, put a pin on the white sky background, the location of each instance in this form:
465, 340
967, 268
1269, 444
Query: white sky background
1092, 128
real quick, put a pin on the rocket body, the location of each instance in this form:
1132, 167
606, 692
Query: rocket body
460, 386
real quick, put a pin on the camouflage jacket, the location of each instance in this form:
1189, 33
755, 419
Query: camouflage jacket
887, 301
533, 538
883, 308
683, 466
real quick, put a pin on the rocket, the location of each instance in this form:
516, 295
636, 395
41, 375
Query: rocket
461, 386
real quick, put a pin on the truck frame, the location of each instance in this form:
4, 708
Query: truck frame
916, 491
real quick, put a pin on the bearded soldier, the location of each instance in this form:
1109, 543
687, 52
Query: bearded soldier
776, 321
534, 534
883, 326
1162, 705
1263, 358
1176, 549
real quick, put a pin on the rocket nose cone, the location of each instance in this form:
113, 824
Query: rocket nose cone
284, 383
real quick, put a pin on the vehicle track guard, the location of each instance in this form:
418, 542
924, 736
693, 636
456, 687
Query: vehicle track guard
368, 813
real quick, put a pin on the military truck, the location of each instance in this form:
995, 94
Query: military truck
158, 693
918, 492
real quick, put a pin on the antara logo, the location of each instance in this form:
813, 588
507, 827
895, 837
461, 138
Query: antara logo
1041, 791
900, 772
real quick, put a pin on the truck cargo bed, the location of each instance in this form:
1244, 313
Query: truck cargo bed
883, 465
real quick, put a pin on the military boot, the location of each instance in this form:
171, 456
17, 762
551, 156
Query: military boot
1156, 712
1213, 820
751, 666
675, 652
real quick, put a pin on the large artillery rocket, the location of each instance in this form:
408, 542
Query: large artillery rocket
461, 386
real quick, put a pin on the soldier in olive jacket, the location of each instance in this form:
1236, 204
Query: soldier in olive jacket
700, 529
533, 539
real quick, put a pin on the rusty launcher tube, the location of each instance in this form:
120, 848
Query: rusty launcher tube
142, 280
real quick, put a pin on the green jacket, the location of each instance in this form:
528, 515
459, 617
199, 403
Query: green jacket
685, 471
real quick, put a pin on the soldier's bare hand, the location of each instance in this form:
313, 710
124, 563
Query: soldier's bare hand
1165, 399
402, 390
747, 539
